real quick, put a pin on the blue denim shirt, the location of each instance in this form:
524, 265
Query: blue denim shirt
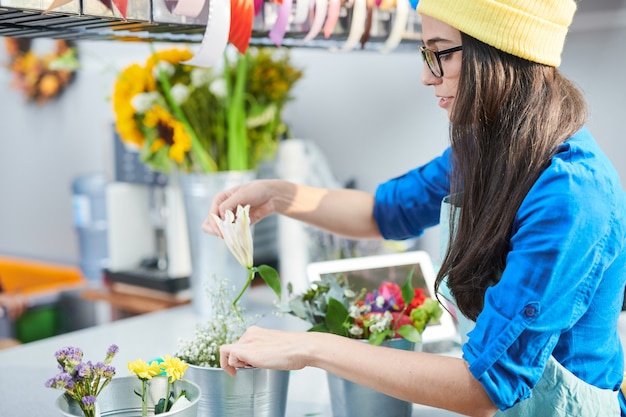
563, 285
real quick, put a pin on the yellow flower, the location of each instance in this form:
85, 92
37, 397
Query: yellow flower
173, 56
209, 131
171, 132
174, 367
131, 82
143, 370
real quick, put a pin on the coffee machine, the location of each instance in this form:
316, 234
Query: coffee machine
147, 231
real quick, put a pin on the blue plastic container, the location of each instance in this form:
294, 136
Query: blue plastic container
90, 219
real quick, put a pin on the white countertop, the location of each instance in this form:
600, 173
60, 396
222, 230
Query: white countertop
24, 369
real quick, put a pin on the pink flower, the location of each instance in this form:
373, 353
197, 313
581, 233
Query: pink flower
391, 291
400, 320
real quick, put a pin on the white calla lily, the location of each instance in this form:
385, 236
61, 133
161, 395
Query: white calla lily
237, 234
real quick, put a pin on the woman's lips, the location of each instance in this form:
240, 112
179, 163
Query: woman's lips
444, 102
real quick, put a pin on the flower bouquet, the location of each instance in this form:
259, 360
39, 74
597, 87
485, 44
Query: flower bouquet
158, 387
82, 381
390, 315
200, 119
173, 369
388, 312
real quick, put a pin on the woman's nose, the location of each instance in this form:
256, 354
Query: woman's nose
427, 76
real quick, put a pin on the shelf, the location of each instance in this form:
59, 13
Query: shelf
152, 20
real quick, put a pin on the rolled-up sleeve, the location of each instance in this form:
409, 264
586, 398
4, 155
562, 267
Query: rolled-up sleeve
406, 205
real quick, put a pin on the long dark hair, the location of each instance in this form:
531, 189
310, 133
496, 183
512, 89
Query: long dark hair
509, 116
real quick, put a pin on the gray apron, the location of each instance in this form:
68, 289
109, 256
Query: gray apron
559, 393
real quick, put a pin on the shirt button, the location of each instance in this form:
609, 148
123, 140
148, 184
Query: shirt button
530, 311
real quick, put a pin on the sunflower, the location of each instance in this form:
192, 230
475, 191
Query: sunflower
131, 81
170, 132
181, 117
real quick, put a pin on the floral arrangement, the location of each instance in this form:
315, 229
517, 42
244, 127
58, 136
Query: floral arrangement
173, 368
200, 119
41, 78
388, 312
224, 327
82, 381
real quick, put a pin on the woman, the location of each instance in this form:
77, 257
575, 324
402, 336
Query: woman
537, 249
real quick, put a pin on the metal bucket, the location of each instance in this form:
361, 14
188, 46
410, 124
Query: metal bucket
119, 399
348, 399
253, 392
209, 254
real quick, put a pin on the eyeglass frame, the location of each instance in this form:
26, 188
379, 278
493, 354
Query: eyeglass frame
438, 54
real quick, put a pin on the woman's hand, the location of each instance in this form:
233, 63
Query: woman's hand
263, 348
263, 196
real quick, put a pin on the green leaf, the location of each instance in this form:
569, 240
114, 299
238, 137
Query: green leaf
336, 316
407, 289
377, 338
410, 333
271, 278
319, 327
297, 308
160, 406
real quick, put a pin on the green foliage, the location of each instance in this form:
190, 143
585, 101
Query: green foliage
271, 278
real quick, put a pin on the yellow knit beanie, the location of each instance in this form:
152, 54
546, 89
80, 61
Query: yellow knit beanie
531, 29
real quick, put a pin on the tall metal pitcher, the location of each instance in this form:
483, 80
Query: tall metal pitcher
209, 254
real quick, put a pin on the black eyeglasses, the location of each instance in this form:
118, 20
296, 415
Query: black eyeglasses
433, 58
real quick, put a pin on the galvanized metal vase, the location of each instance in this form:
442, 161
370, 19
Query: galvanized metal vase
119, 399
253, 392
348, 399
209, 255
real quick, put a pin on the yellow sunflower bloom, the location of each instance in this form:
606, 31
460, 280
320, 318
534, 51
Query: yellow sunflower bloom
130, 82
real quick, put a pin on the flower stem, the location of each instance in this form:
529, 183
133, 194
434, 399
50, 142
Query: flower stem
251, 272
236, 122
167, 394
144, 398
207, 163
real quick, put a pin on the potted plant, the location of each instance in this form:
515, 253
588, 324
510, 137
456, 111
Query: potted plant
158, 387
253, 391
390, 315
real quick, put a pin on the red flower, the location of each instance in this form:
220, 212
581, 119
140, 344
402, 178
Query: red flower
418, 299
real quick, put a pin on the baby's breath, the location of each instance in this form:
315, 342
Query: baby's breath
223, 327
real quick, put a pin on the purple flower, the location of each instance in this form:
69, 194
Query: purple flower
104, 370
88, 399
378, 303
113, 349
68, 351
61, 381
83, 370
68, 360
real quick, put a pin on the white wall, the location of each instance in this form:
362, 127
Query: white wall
368, 112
